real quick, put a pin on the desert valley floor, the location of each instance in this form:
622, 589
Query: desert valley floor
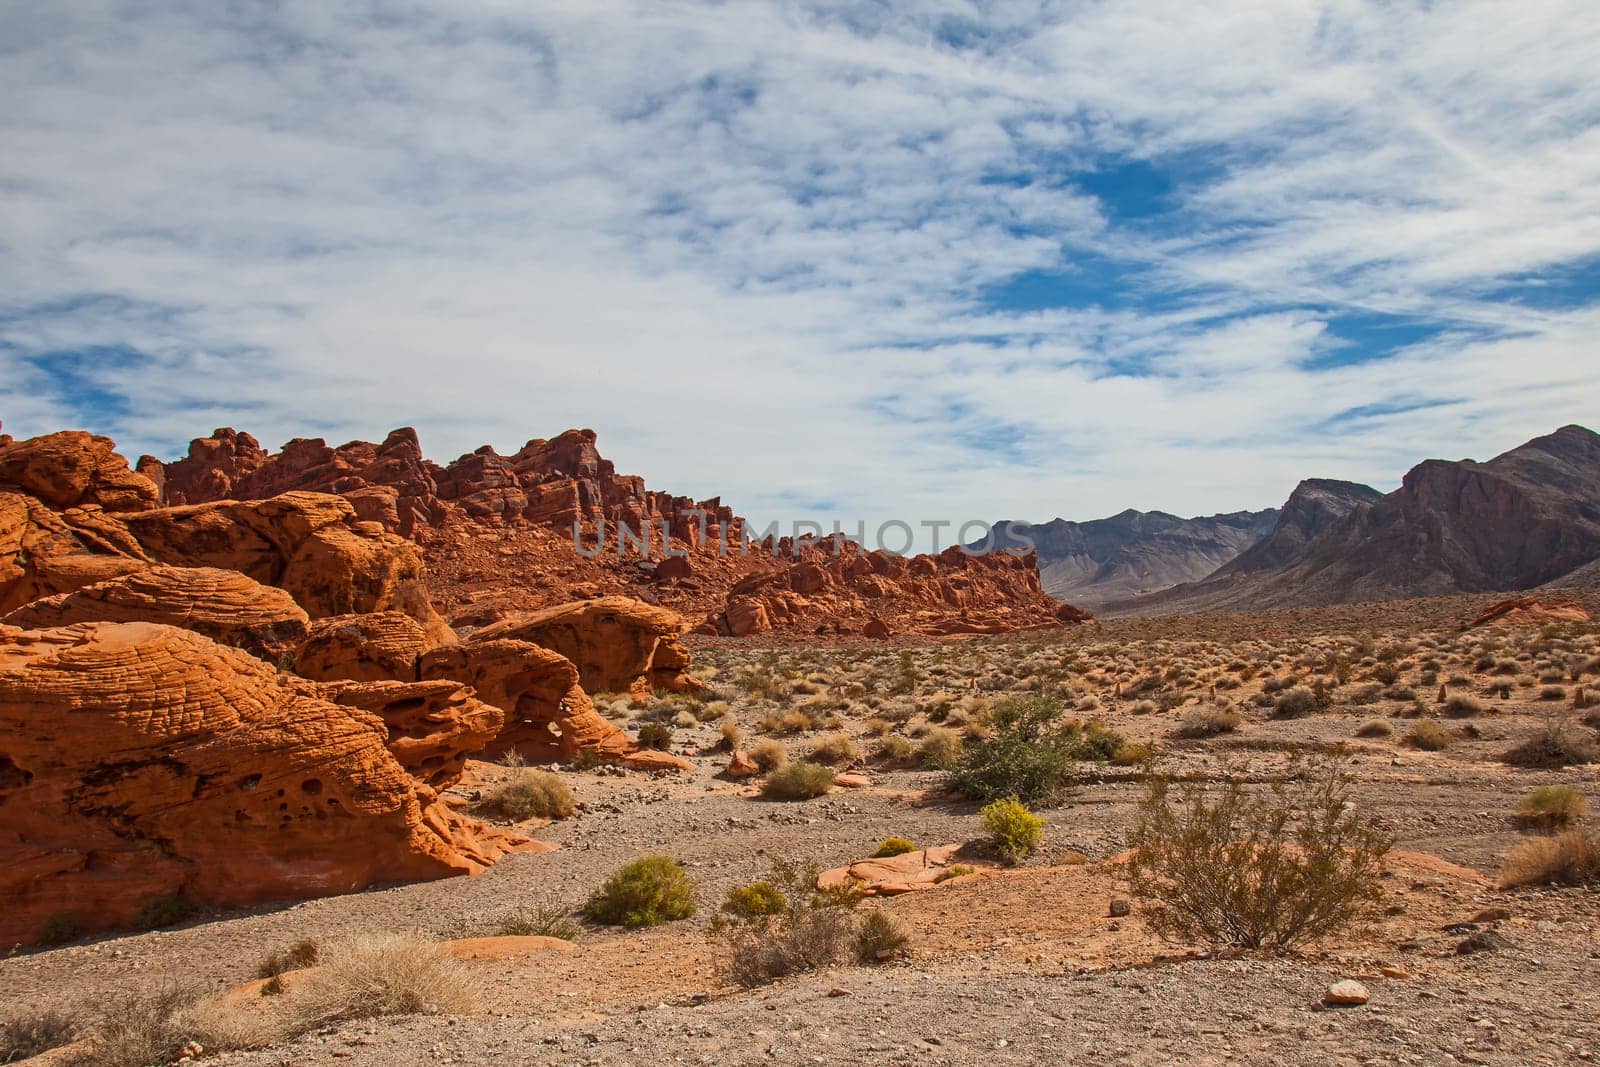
1016, 964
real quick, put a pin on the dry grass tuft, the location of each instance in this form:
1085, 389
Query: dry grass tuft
1552, 807
383, 974
528, 793
1572, 858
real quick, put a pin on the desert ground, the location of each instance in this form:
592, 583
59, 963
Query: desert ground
1012, 963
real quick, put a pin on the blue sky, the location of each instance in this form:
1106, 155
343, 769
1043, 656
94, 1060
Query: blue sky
930, 259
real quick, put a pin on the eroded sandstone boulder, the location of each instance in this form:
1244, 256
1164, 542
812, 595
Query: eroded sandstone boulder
378, 646
139, 761
224, 605
1530, 611
433, 726
73, 469
620, 645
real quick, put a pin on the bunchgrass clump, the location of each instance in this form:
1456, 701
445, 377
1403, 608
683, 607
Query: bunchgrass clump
797, 781
1570, 858
381, 975
540, 920
303, 953
1208, 720
528, 793
646, 892
1428, 735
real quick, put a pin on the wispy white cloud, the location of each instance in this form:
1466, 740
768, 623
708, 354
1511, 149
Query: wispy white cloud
764, 248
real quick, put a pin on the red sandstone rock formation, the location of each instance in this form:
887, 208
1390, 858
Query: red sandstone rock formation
224, 605
876, 594
381, 646
433, 726
1529, 611
139, 761
619, 645
96, 520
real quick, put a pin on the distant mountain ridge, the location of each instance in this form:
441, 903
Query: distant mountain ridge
1526, 518
1091, 563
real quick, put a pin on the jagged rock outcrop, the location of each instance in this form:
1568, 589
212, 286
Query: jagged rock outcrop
835, 588
139, 761
74, 469
310, 545
1133, 553
1529, 611
618, 644
224, 605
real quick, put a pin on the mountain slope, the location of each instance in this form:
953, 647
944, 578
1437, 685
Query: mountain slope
1523, 519
1135, 552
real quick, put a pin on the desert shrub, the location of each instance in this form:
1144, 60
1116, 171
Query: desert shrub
894, 846
1571, 858
797, 781
655, 735
897, 750
880, 936
168, 910
812, 929
1017, 831
1029, 757
1132, 754
1363, 695
1374, 728
303, 953
1552, 807
1554, 744
1208, 720
1428, 735
730, 734
956, 870
646, 892
940, 749
769, 755
381, 975
528, 793
1387, 673
1553, 692
58, 930
540, 920
137, 1029
878, 726
26, 1035
1145, 707
1464, 706
755, 900
1296, 701
1273, 870
835, 749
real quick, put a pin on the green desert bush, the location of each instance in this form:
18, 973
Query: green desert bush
797, 781
755, 900
646, 892
1030, 757
1017, 831
894, 846
1552, 807
1256, 871
167, 910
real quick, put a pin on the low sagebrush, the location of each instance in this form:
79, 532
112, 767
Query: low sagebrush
1293, 865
